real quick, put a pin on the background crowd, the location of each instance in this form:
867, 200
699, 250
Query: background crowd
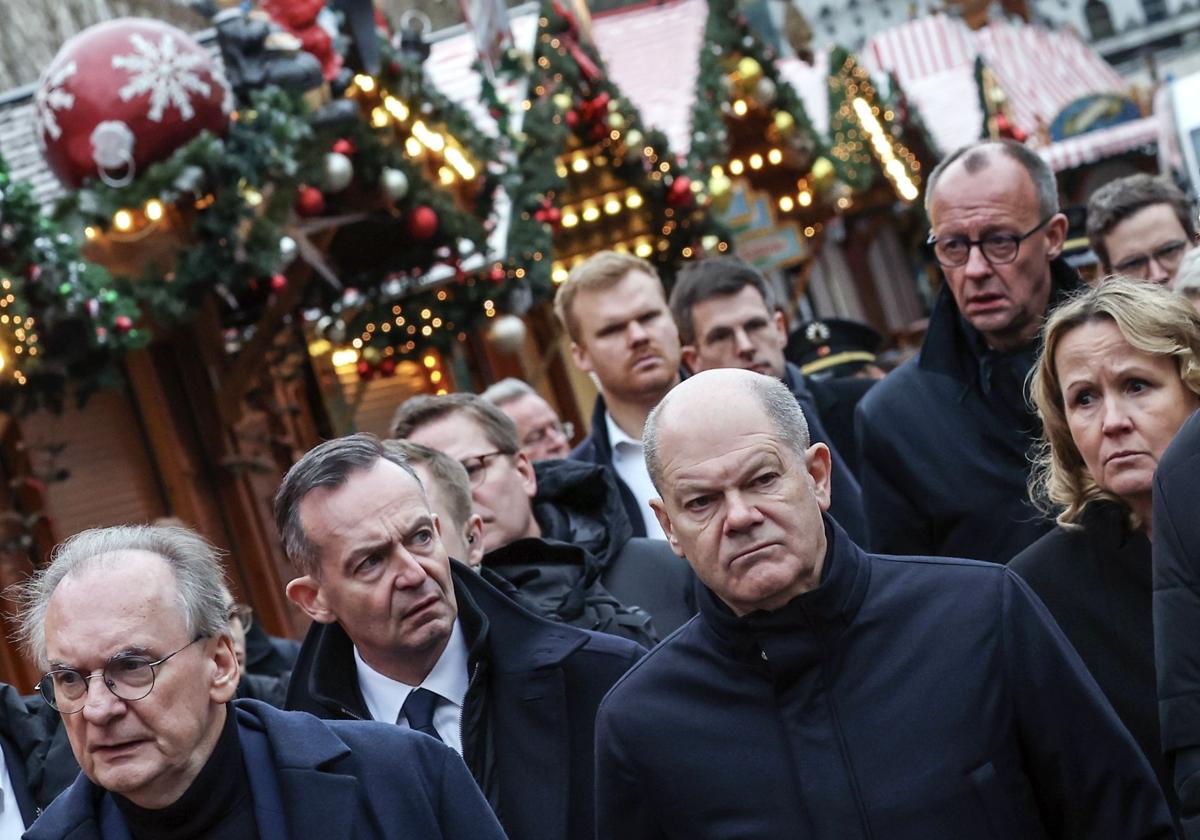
774, 592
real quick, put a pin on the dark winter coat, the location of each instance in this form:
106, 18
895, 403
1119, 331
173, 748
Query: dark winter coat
910, 698
37, 753
580, 503
1176, 551
944, 445
1095, 580
529, 711
318, 780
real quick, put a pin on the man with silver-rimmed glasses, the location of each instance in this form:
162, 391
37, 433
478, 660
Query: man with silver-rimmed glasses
132, 625
944, 440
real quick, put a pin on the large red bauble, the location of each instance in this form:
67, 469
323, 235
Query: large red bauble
422, 222
124, 94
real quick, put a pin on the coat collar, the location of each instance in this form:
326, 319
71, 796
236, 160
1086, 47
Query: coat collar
796, 633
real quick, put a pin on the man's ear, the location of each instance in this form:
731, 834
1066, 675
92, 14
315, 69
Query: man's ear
1056, 235
473, 534
780, 322
582, 358
819, 464
528, 476
664, 520
689, 355
305, 593
226, 673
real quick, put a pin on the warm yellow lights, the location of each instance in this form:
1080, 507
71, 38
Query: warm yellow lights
740, 107
569, 219
805, 198
345, 356
643, 249
435, 377
379, 117
412, 147
560, 274
90, 232
893, 167
429, 138
775, 157
319, 347
580, 164
154, 210
445, 176
123, 221
395, 107
786, 204
460, 163
612, 205
736, 167
633, 199
365, 83
756, 161
591, 213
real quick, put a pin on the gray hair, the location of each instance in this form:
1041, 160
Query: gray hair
327, 465
777, 402
450, 475
203, 593
978, 156
506, 390
1187, 277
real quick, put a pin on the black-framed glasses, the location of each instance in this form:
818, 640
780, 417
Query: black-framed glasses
477, 466
1168, 255
128, 676
537, 436
244, 614
997, 248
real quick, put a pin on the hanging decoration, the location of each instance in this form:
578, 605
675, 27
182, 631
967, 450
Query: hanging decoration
866, 133
124, 94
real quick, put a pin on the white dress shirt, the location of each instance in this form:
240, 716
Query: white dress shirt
11, 824
448, 680
629, 462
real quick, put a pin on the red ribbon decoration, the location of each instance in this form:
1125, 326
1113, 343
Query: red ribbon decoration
570, 40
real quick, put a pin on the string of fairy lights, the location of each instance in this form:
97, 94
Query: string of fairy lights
22, 341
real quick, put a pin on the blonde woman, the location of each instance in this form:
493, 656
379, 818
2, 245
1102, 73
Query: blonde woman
1118, 375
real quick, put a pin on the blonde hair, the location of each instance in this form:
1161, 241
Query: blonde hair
598, 272
1153, 321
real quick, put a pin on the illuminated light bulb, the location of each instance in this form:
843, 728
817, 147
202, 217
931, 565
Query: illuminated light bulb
633, 200
805, 198
154, 209
436, 323
441, 392
559, 275
365, 83
427, 331
445, 175
643, 249
740, 108
569, 219
591, 213
810, 231
460, 163
756, 161
687, 252
379, 117
431, 139
580, 164
775, 157
435, 377
358, 343
717, 171
123, 220
345, 356
395, 107
786, 204
736, 167
90, 232
425, 313
412, 147
560, 171
612, 205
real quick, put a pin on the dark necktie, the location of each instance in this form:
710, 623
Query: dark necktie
418, 711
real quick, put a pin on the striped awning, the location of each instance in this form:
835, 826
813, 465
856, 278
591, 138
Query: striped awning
1101, 144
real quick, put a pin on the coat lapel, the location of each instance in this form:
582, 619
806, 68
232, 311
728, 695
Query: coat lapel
536, 761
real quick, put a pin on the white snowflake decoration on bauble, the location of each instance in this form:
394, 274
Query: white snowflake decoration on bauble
164, 73
51, 97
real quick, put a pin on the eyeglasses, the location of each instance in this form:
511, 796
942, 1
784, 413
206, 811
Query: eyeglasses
1167, 255
244, 614
128, 677
565, 430
997, 248
477, 466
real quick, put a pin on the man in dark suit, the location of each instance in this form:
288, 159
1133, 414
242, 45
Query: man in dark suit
404, 634
133, 624
727, 318
36, 758
1176, 547
527, 508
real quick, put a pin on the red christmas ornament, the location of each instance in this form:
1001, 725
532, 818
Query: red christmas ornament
497, 274
1006, 129
388, 366
344, 147
309, 201
572, 119
679, 194
422, 222
124, 94
278, 282
364, 369
123, 323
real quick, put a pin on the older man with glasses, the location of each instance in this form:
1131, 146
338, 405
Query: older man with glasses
944, 440
542, 433
132, 625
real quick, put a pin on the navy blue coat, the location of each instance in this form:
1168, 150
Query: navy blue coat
944, 445
1176, 550
528, 720
321, 780
915, 697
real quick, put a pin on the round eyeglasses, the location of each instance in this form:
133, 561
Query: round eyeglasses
997, 248
128, 676
477, 466
1168, 256
565, 430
